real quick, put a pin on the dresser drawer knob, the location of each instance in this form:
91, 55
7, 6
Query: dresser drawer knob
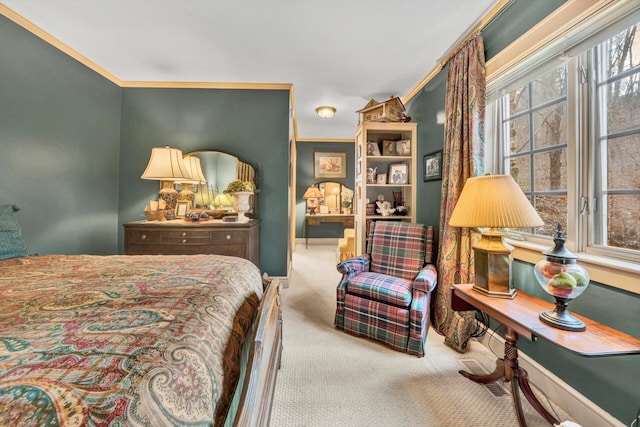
228, 237
184, 240
184, 234
143, 237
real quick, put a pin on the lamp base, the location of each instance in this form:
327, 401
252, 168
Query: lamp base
170, 197
561, 318
493, 266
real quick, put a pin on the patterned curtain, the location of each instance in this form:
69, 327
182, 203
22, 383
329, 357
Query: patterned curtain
463, 157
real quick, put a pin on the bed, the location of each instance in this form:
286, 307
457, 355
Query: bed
137, 340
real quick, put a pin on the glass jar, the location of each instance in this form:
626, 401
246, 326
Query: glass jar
562, 278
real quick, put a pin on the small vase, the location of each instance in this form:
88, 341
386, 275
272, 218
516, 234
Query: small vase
241, 204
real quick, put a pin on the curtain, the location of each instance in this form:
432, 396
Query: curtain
462, 157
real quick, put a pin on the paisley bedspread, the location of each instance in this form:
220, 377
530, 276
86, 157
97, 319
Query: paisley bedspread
122, 340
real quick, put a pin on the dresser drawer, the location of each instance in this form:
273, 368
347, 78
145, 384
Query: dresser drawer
186, 237
144, 236
226, 237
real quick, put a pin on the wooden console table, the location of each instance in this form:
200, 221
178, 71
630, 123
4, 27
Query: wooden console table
317, 219
520, 318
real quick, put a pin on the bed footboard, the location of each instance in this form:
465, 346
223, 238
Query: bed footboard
264, 361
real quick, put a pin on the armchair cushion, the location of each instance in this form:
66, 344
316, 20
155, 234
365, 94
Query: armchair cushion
380, 287
397, 249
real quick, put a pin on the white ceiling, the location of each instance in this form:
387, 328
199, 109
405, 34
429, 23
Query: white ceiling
334, 52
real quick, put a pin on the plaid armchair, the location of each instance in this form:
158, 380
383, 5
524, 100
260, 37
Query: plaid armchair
384, 294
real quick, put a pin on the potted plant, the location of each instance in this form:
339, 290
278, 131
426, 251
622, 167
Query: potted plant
241, 192
239, 186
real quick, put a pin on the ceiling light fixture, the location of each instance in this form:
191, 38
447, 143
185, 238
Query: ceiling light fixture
326, 111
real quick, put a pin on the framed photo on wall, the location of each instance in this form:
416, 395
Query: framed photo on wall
433, 166
329, 164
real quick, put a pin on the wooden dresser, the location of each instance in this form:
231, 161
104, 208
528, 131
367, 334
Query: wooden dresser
179, 237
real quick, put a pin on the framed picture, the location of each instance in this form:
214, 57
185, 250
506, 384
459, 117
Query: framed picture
382, 178
398, 173
388, 148
324, 209
403, 147
373, 149
182, 208
433, 166
329, 164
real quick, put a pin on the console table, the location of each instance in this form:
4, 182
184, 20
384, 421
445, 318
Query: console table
520, 318
317, 219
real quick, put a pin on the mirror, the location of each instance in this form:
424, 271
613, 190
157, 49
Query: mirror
219, 169
337, 198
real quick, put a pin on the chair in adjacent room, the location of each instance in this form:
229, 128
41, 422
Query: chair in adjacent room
347, 245
384, 294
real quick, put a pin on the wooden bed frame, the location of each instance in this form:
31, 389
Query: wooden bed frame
264, 361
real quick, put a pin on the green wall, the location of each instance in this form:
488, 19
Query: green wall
73, 146
610, 382
59, 146
251, 124
304, 178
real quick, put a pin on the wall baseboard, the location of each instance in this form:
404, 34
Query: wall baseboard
582, 410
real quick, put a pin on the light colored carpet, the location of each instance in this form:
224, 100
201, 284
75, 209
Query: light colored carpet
330, 378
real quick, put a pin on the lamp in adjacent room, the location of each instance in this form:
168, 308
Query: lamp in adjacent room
326, 111
194, 169
312, 193
493, 201
167, 166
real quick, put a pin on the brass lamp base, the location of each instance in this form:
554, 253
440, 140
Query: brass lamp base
493, 266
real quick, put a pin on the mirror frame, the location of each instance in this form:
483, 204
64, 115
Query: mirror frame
253, 213
339, 196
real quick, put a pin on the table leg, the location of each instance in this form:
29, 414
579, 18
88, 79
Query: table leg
508, 369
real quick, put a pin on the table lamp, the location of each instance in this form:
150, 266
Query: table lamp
194, 169
167, 166
493, 201
312, 193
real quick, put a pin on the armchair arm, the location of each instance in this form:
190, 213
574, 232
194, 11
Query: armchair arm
355, 265
426, 279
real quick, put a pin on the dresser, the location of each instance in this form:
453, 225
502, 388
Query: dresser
179, 237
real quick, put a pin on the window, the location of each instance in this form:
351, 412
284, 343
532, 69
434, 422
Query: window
568, 130
616, 221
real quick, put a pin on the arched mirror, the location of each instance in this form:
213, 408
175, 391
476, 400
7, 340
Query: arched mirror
336, 198
219, 169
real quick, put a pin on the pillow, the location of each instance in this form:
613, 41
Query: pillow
11, 243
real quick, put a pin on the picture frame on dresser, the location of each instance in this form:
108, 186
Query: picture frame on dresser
181, 209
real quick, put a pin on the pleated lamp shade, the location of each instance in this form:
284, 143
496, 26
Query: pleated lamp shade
494, 201
194, 168
166, 163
